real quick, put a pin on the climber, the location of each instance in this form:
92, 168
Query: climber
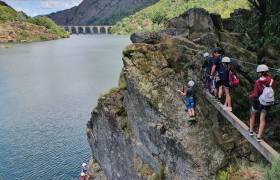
214, 74
189, 97
84, 172
206, 68
264, 83
84, 168
225, 82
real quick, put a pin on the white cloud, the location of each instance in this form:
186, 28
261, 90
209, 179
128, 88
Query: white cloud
59, 4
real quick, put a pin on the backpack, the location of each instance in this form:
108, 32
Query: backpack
267, 96
233, 79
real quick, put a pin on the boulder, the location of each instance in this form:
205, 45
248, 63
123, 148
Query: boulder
145, 37
196, 20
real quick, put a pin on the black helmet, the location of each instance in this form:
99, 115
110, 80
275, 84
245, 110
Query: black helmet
218, 50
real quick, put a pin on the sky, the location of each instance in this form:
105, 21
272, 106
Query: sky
41, 7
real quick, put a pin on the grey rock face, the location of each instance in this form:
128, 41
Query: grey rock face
141, 130
196, 20
96, 12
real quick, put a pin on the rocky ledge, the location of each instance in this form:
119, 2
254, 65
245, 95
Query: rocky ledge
140, 130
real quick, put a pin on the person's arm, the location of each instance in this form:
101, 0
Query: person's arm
183, 92
255, 92
213, 70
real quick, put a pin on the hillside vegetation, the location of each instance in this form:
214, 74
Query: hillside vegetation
155, 17
18, 27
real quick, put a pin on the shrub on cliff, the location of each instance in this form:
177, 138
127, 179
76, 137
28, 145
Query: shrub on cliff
49, 24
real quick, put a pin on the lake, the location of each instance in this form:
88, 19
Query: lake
47, 92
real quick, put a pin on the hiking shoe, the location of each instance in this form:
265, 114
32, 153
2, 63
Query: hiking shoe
229, 109
251, 133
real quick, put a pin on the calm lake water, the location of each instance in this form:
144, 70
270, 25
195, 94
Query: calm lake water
47, 92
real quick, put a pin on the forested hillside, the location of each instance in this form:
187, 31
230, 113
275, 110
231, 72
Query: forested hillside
18, 27
154, 18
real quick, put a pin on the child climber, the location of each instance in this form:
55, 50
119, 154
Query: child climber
189, 99
225, 82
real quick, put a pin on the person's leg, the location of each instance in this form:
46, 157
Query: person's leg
262, 124
193, 113
255, 108
228, 98
220, 91
252, 121
216, 91
190, 112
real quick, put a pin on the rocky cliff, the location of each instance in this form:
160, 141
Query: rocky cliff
96, 12
140, 130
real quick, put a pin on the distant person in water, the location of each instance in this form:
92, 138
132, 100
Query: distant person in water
189, 97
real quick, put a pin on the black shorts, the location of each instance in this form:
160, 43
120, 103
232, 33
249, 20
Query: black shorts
225, 83
257, 107
219, 83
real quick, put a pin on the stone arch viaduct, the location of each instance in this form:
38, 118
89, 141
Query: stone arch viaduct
88, 29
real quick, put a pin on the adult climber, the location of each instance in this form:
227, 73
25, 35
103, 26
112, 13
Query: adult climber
262, 98
206, 68
217, 54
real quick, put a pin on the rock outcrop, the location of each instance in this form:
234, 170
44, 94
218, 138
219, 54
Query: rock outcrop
105, 12
140, 130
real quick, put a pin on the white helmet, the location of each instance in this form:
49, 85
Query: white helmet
83, 174
262, 68
205, 54
226, 60
84, 164
190, 83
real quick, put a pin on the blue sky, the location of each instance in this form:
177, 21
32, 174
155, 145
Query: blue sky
39, 7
